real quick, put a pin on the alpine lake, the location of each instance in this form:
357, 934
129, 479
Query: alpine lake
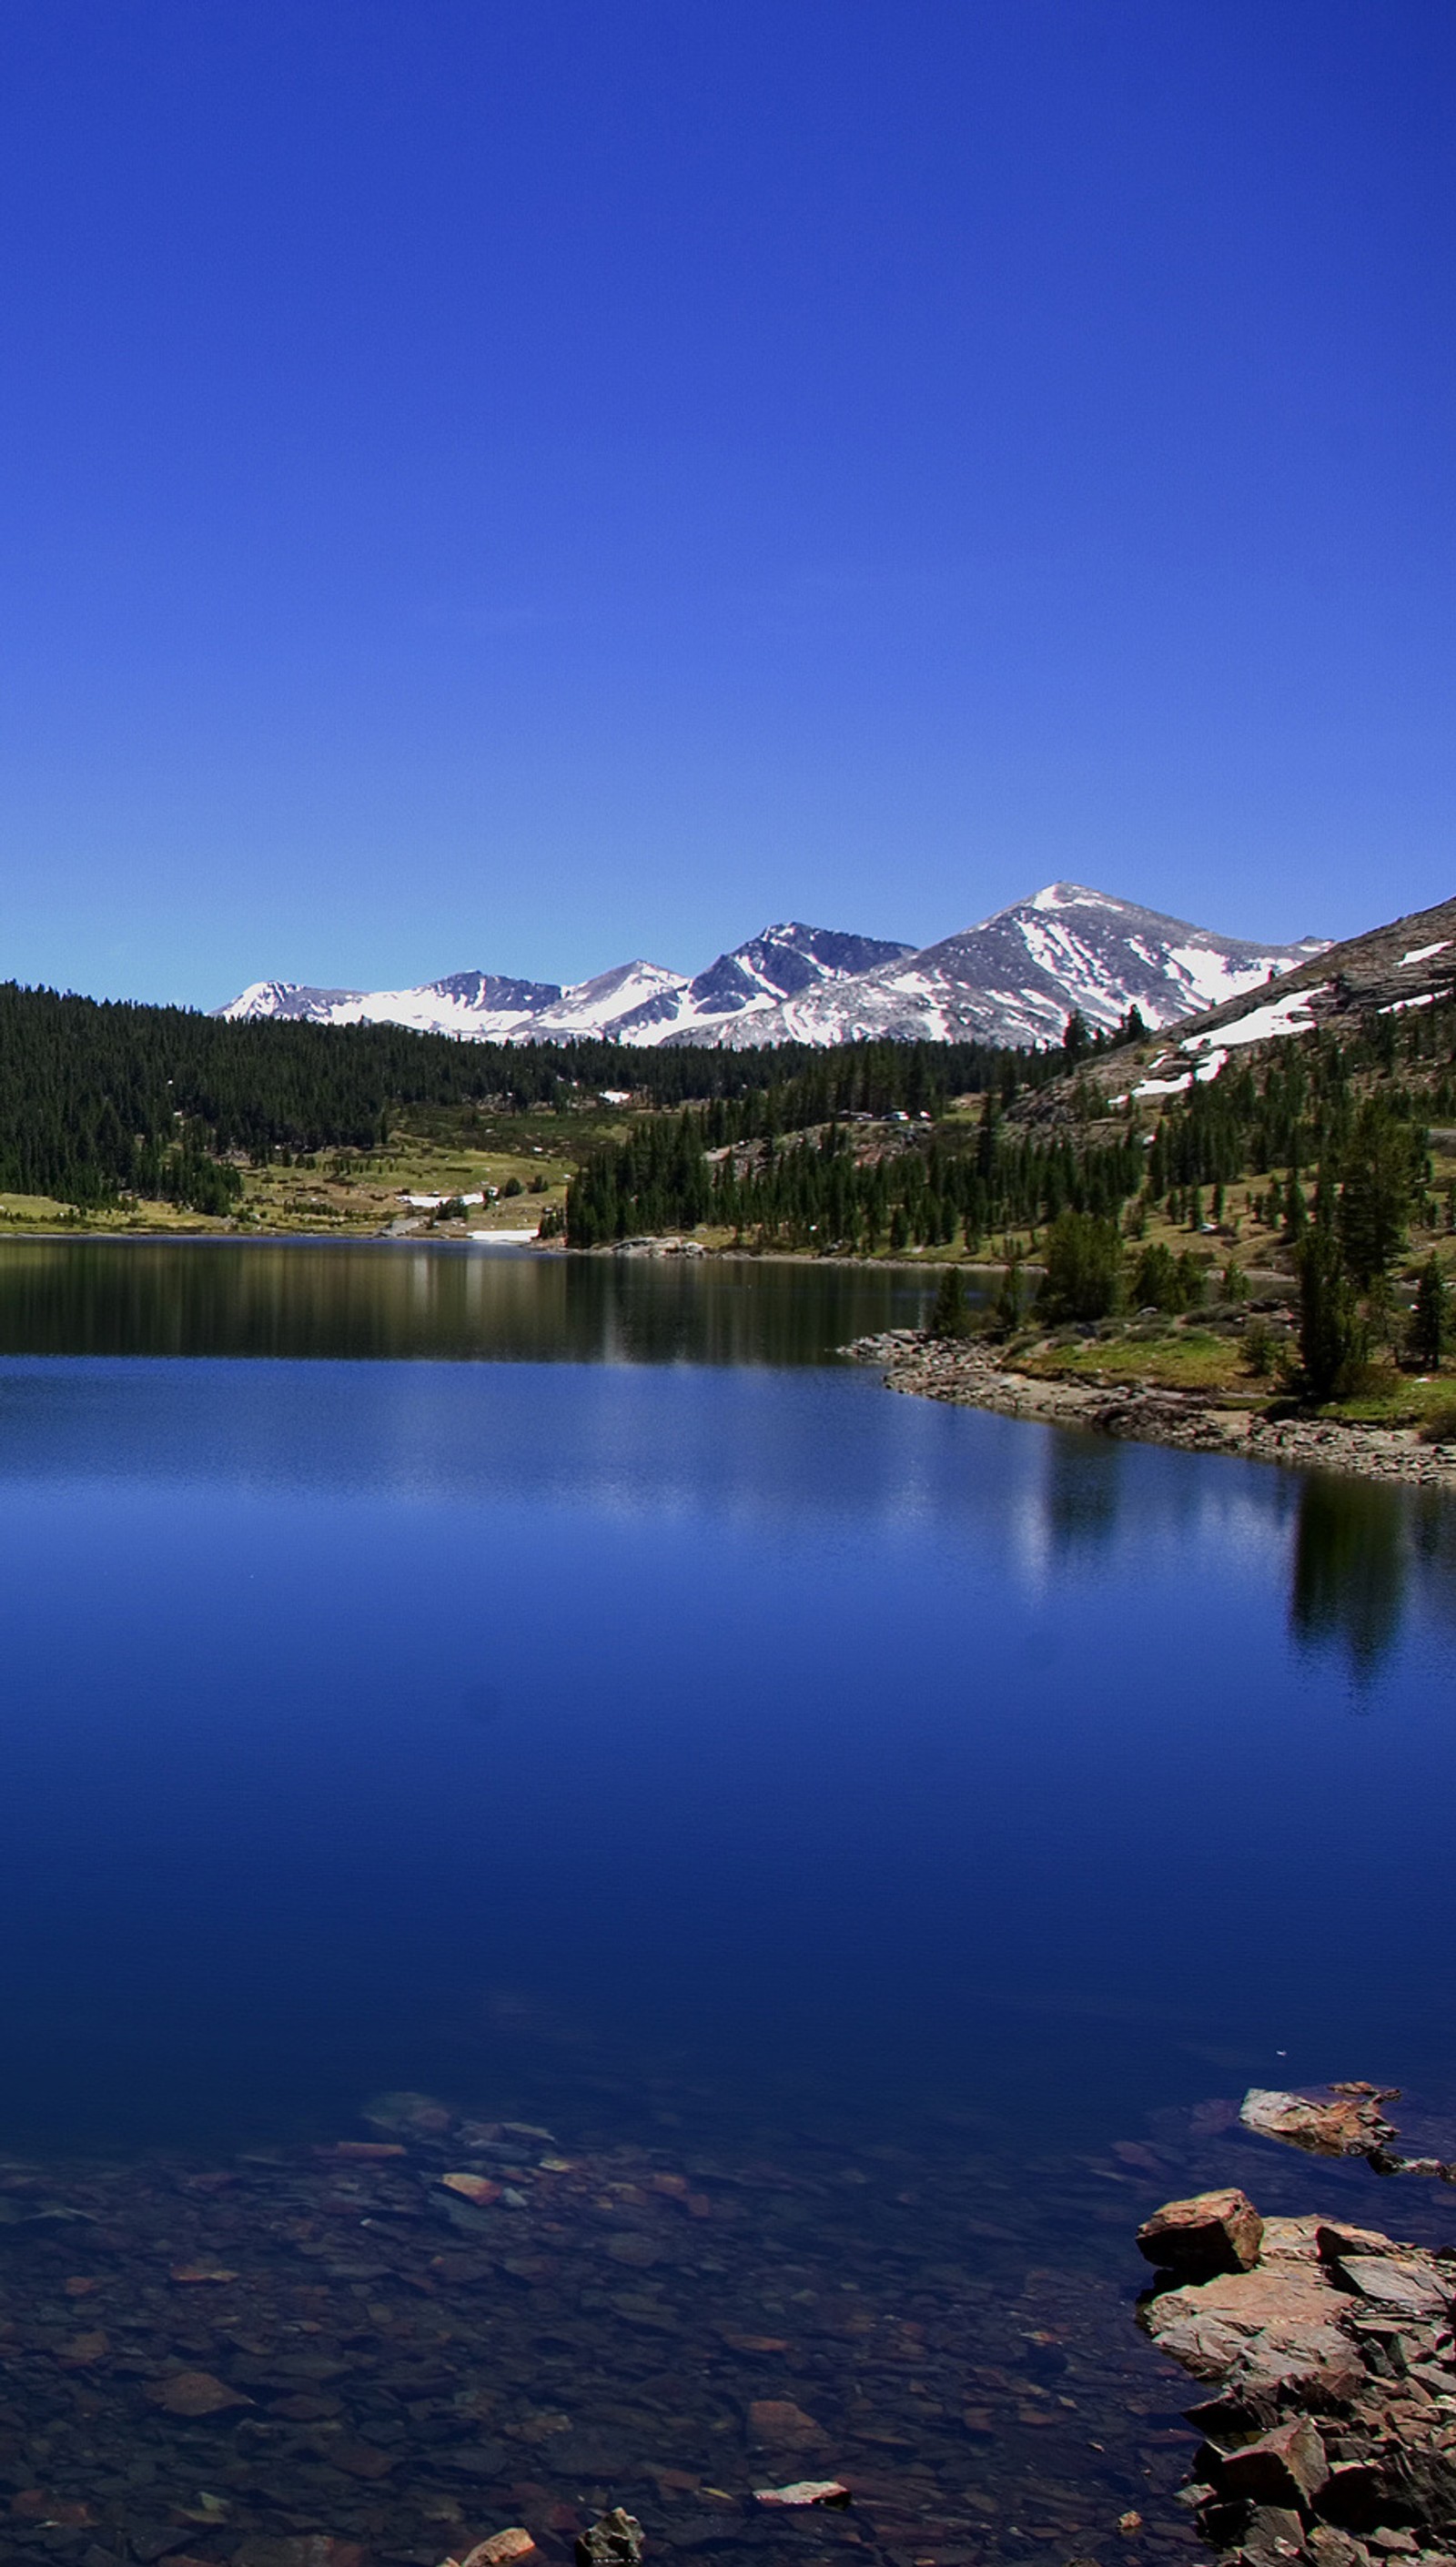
814, 1867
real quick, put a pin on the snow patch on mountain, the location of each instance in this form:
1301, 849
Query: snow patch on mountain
1013, 977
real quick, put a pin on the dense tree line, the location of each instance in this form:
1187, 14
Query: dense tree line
928, 1188
99, 1099
1329, 1130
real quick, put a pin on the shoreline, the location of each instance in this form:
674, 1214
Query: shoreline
971, 1376
1323, 2353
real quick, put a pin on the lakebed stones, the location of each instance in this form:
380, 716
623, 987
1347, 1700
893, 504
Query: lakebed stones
1332, 2436
400, 2389
1212, 2232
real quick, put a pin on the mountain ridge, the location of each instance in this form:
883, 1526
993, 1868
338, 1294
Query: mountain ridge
1012, 978
1406, 963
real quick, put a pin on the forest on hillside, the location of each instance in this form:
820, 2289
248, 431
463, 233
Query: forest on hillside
99, 1099
1306, 1120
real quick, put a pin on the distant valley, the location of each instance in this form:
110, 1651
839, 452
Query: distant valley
1015, 978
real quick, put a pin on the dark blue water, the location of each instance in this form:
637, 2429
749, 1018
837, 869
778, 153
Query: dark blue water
664, 1732
355, 1709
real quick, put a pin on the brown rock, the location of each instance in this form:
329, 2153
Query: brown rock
777, 2424
194, 2392
201, 2273
1211, 2232
84, 2350
1275, 2328
1410, 2286
1331, 2548
474, 2187
1336, 2237
1337, 2122
500, 2548
806, 2491
1284, 2467
1275, 2534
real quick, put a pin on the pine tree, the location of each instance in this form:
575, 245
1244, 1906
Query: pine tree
1084, 1260
1430, 1321
951, 1313
1380, 1170
1332, 1340
1011, 1301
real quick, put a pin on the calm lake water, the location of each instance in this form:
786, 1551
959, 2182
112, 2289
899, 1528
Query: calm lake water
560, 1688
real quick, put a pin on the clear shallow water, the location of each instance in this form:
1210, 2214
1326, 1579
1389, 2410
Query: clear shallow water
667, 1736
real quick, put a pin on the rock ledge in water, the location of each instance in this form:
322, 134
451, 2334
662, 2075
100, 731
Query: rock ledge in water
1331, 2440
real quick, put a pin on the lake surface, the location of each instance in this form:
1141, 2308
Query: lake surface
560, 1688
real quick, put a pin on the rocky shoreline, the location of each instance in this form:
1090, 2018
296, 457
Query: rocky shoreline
1329, 2434
971, 1374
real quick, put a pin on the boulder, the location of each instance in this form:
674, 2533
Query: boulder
1287, 2467
1211, 2232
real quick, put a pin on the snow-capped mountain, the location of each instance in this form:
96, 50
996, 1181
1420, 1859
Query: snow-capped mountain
1014, 979
1408, 963
1017, 978
638, 1003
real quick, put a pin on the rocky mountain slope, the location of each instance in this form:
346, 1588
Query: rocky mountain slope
1014, 979
1408, 963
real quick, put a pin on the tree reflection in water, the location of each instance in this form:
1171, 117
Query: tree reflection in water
1083, 1491
1352, 1557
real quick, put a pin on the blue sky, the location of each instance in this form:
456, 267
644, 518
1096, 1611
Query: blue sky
529, 486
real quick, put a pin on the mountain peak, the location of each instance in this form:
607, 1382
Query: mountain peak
1014, 979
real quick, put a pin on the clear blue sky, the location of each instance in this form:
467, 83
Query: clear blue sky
533, 484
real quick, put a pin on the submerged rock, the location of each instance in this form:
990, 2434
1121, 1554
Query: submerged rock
614, 2542
806, 2493
195, 2393
477, 2189
499, 2550
777, 2424
1338, 2122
